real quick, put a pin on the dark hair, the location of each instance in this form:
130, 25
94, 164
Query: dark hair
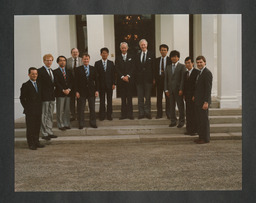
104, 49
163, 46
58, 59
201, 57
31, 68
189, 58
85, 55
175, 53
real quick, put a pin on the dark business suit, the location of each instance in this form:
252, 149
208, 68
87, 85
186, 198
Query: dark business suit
189, 91
203, 94
174, 83
62, 100
159, 79
125, 68
48, 100
86, 87
71, 66
106, 81
32, 104
144, 75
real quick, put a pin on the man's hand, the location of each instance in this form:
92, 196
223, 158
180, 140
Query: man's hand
125, 78
167, 94
96, 94
113, 87
180, 93
77, 95
154, 82
205, 106
193, 98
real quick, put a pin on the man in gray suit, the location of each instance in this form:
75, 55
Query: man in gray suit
174, 80
72, 63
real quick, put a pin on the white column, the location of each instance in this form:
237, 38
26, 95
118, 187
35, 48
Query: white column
239, 59
228, 60
205, 44
27, 53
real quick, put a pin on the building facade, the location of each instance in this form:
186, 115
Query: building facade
217, 37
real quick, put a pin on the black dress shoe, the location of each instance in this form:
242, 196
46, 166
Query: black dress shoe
148, 116
46, 137
67, 127
110, 118
122, 118
32, 147
62, 128
192, 134
53, 136
180, 125
157, 117
140, 117
172, 125
102, 119
131, 117
94, 126
168, 117
80, 127
187, 133
40, 145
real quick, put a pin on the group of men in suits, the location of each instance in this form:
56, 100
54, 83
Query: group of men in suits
76, 80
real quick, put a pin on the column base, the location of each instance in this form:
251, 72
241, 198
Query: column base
228, 102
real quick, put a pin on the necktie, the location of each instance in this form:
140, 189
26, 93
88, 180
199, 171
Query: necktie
198, 76
75, 63
187, 74
173, 68
86, 72
50, 73
63, 72
124, 58
143, 59
162, 67
35, 85
104, 65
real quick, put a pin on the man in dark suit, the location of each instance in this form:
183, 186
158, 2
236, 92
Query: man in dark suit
63, 83
174, 81
30, 98
189, 90
125, 80
144, 75
160, 66
203, 100
106, 73
86, 88
46, 79
72, 63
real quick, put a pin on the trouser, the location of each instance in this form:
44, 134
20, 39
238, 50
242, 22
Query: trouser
73, 101
126, 98
47, 117
63, 111
81, 102
33, 123
202, 123
102, 112
160, 91
175, 98
191, 124
144, 91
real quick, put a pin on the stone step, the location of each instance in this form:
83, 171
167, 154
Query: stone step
134, 130
21, 141
117, 106
163, 121
212, 112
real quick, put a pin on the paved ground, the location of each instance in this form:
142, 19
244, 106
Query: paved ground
170, 165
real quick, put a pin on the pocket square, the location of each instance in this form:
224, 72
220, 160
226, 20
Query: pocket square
149, 58
129, 59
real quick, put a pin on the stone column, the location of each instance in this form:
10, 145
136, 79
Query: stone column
229, 60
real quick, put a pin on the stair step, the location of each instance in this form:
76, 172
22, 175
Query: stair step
163, 121
128, 138
134, 130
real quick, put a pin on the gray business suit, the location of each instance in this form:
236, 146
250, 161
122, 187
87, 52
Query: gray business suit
174, 82
70, 66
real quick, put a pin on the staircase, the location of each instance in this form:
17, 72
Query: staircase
224, 124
